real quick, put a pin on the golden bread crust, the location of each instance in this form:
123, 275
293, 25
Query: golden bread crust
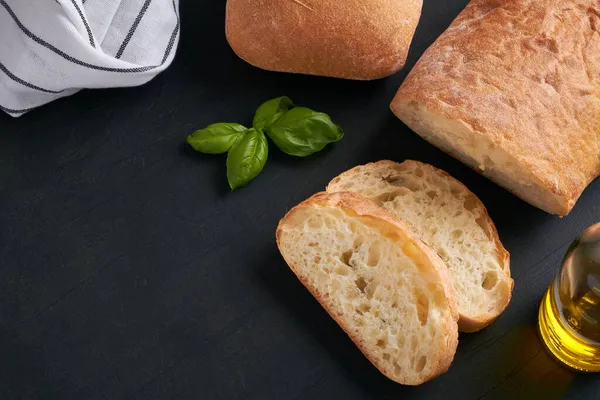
525, 74
350, 39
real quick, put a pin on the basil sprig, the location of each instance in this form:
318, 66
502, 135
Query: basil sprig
297, 131
247, 158
271, 111
216, 138
301, 132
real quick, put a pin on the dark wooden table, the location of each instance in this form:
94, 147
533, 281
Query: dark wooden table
128, 269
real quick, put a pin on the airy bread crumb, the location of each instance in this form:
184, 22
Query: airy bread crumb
388, 291
445, 215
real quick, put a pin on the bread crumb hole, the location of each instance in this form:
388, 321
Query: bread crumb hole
422, 304
393, 180
400, 181
385, 197
371, 289
374, 253
361, 284
341, 271
358, 241
401, 341
470, 203
421, 363
313, 244
413, 343
457, 234
419, 172
432, 194
397, 369
381, 343
386, 356
346, 257
364, 307
443, 254
490, 279
317, 259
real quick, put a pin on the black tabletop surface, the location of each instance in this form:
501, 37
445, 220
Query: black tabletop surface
129, 270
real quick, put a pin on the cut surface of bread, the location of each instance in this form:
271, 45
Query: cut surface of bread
387, 290
352, 39
450, 219
512, 89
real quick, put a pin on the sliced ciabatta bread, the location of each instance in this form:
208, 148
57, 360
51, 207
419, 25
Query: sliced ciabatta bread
445, 215
383, 286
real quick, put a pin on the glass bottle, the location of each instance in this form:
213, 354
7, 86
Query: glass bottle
569, 317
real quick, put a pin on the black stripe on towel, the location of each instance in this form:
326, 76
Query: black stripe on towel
173, 36
87, 26
25, 83
133, 28
12, 111
83, 63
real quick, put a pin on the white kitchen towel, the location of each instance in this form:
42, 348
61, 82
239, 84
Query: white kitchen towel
53, 48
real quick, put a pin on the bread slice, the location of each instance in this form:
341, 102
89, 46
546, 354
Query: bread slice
384, 287
445, 215
352, 39
512, 89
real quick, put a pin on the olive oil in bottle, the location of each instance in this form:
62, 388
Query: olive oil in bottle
569, 318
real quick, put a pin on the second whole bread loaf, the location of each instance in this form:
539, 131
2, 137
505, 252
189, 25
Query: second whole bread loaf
352, 39
512, 89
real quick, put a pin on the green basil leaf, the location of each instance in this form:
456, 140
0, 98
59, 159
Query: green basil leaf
271, 111
216, 138
302, 132
246, 158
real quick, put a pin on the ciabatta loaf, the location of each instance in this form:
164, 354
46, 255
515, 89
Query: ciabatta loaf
353, 39
450, 219
512, 89
388, 291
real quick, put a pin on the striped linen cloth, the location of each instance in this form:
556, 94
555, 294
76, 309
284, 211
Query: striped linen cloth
53, 48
